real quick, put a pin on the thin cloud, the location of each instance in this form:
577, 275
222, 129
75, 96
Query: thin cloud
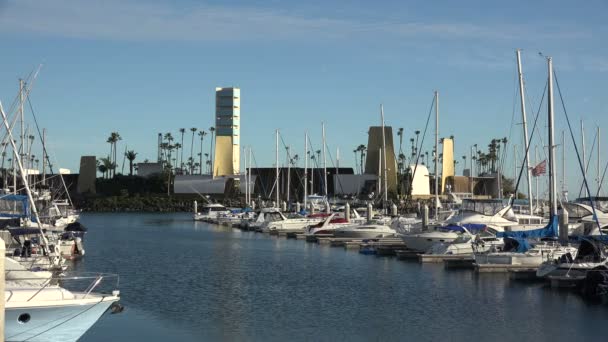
134, 21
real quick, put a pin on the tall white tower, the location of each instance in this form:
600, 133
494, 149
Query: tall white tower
227, 131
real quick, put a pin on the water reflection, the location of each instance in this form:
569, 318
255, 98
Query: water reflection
217, 283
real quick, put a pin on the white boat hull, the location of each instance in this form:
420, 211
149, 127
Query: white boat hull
63, 322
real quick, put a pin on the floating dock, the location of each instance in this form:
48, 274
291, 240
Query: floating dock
503, 268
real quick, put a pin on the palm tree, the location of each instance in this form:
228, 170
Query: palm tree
201, 134
107, 166
193, 129
177, 147
207, 161
212, 130
416, 149
113, 140
131, 157
182, 131
361, 148
356, 158
400, 134
160, 157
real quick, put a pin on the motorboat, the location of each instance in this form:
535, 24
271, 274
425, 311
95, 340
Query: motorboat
365, 231
518, 251
262, 218
210, 212
592, 253
296, 223
37, 308
467, 244
335, 221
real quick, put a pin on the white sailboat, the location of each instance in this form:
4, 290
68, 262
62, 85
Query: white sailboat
46, 311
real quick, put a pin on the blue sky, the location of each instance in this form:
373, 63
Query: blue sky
143, 67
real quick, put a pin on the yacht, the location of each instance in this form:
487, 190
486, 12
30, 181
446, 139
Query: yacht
365, 231
38, 309
467, 244
522, 252
210, 212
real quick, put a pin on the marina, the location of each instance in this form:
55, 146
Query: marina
254, 286
303, 171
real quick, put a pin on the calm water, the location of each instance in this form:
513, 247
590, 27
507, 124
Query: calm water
188, 281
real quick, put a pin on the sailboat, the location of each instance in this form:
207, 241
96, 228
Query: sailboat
42, 310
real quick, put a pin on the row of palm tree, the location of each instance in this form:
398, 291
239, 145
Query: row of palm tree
176, 162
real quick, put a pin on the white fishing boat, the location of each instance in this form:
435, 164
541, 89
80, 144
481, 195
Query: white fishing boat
467, 244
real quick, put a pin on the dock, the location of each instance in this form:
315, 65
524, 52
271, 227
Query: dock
500, 268
440, 258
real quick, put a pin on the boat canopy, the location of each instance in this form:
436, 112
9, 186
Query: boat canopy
591, 250
517, 245
470, 227
551, 230
485, 207
601, 203
23, 231
15, 206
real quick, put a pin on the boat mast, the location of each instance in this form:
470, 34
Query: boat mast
436, 154
552, 180
44, 156
246, 180
305, 170
584, 155
564, 166
277, 168
598, 161
385, 160
25, 183
524, 121
249, 188
324, 161
288, 171
536, 178
379, 171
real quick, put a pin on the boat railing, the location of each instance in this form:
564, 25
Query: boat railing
80, 284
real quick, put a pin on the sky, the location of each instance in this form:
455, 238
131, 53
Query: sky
143, 67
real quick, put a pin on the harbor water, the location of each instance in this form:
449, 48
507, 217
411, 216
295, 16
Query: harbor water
191, 281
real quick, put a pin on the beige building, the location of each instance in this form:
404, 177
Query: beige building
226, 158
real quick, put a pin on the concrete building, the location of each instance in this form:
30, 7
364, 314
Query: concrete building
149, 169
88, 173
226, 158
372, 166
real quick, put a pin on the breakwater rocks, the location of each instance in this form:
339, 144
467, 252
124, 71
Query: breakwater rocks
151, 203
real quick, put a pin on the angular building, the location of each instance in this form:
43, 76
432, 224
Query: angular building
372, 163
226, 157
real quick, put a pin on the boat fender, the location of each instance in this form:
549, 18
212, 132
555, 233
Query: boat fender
117, 308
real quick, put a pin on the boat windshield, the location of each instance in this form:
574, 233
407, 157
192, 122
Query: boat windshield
485, 207
601, 203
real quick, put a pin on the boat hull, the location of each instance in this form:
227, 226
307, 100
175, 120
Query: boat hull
63, 322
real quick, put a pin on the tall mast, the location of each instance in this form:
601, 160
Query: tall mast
584, 155
436, 154
552, 180
246, 179
44, 156
277, 169
536, 178
514, 162
305, 169
324, 162
598, 161
525, 124
564, 165
379, 171
385, 158
288, 171
250, 188
17, 161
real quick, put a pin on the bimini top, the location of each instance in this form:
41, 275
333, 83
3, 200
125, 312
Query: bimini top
14, 206
489, 207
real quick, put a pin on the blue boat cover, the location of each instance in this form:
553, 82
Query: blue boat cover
551, 230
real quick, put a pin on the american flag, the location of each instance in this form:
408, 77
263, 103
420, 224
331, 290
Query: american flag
540, 169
